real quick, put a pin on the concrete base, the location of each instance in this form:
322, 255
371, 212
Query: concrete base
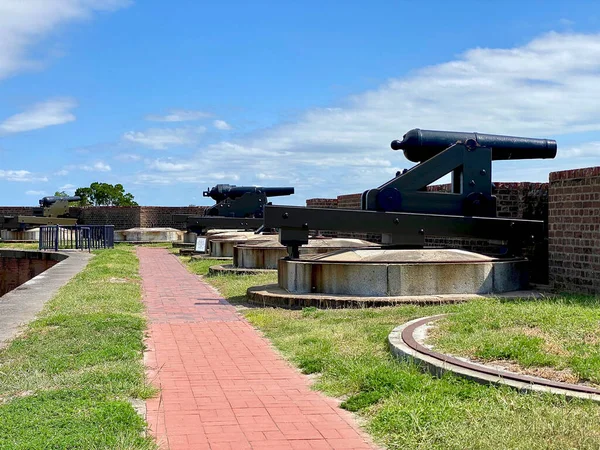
223, 244
231, 269
273, 295
32, 235
265, 255
391, 273
149, 235
208, 257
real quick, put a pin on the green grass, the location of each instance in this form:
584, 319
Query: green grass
68, 380
403, 408
562, 334
19, 245
233, 287
166, 245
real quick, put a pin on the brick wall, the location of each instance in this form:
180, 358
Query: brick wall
16, 210
23, 266
574, 230
122, 217
322, 203
162, 216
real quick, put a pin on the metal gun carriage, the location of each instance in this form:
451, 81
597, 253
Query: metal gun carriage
53, 210
404, 212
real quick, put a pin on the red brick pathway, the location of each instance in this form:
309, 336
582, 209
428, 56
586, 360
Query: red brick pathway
222, 385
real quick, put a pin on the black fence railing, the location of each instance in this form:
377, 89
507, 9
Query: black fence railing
80, 237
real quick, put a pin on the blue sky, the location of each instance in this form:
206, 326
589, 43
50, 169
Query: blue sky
169, 98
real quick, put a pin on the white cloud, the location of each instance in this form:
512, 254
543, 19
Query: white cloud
163, 138
20, 175
586, 150
41, 115
36, 193
67, 187
168, 166
221, 125
96, 167
61, 173
549, 88
179, 115
25, 22
127, 157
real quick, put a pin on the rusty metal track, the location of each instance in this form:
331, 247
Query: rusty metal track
409, 340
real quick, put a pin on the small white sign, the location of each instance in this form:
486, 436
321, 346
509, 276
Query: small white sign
201, 244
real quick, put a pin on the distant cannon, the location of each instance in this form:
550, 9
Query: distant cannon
224, 191
53, 210
237, 207
52, 200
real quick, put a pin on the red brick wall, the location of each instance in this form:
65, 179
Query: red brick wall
574, 230
321, 203
16, 271
162, 216
122, 217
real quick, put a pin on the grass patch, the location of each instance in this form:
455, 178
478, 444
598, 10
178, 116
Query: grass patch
233, 287
404, 408
66, 382
20, 245
166, 245
562, 334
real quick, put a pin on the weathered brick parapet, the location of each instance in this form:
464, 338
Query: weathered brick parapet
122, 217
321, 203
574, 230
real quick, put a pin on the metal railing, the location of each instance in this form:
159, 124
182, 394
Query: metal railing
79, 237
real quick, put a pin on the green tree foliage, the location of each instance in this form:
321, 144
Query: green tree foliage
104, 194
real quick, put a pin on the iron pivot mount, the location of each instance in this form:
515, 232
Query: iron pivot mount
407, 230
200, 224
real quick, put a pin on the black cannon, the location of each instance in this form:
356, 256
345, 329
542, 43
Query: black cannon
404, 211
53, 210
242, 201
421, 145
54, 200
237, 207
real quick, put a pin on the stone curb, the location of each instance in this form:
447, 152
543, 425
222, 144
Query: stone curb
22, 304
228, 269
438, 367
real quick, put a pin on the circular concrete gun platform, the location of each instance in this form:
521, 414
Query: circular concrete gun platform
378, 277
265, 254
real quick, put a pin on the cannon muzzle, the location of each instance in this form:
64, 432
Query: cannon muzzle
421, 145
222, 191
50, 200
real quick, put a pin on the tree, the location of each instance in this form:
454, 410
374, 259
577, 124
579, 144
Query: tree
104, 194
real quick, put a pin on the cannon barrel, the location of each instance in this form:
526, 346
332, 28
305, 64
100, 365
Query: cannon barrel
50, 200
420, 145
222, 191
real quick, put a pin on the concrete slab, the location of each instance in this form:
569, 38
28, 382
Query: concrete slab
164, 234
266, 254
231, 269
21, 305
402, 273
273, 295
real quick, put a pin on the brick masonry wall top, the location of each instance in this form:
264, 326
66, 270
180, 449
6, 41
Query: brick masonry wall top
587, 172
574, 230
